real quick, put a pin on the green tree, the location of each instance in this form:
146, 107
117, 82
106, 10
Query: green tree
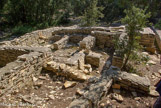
135, 19
92, 14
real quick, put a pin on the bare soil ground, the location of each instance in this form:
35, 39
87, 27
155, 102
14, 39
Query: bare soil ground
48, 92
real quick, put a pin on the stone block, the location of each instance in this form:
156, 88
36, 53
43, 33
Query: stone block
94, 59
61, 43
77, 60
117, 61
87, 43
136, 82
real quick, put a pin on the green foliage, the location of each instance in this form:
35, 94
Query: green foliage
37, 11
92, 14
158, 25
135, 19
44, 13
22, 29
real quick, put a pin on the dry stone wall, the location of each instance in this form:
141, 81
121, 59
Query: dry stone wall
19, 73
104, 39
10, 53
148, 39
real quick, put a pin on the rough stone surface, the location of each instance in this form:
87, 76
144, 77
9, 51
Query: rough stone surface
104, 39
94, 59
87, 43
147, 39
10, 53
78, 59
14, 74
68, 84
133, 82
117, 61
98, 87
65, 70
61, 43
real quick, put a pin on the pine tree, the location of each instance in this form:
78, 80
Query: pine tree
135, 19
92, 14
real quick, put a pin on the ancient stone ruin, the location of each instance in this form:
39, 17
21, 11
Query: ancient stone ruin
75, 53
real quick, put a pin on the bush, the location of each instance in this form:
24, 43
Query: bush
22, 29
158, 25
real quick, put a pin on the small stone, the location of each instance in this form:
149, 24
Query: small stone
118, 97
137, 98
50, 87
134, 94
69, 84
116, 86
52, 92
153, 76
102, 104
86, 71
51, 97
38, 84
80, 92
98, 72
151, 62
58, 82
156, 74
42, 77
108, 102
35, 79
147, 104
153, 92
159, 71
61, 94
145, 53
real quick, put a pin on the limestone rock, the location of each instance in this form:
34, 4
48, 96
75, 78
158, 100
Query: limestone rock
153, 92
87, 43
151, 62
80, 92
118, 97
117, 61
69, 84
51, 97
88, 67
159, 71
137, 98
42, 77
94, 59
133, 82
39, 84
61, 43
35, 79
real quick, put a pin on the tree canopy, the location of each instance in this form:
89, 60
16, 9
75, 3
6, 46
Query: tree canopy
44, 13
